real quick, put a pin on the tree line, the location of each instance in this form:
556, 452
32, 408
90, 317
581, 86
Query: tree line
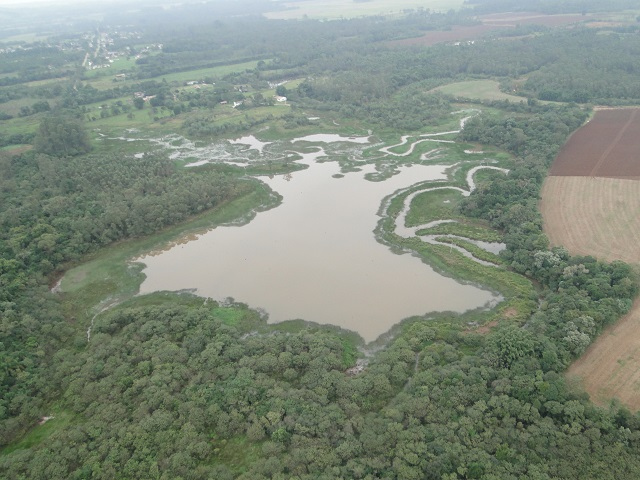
56, 209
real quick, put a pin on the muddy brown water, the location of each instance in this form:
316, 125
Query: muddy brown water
315, 257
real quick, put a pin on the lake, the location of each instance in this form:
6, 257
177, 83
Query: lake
315, 257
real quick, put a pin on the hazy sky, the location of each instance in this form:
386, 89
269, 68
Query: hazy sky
39, 2
6, 3
13, 3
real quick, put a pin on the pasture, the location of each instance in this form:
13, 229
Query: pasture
478, 90
513, 19
104, 82
334, 9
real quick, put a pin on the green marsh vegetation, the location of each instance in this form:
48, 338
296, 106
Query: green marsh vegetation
173, 386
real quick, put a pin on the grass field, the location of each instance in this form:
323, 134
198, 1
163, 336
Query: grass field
60, 419
104, 82
25, 37
118, 64
220, 71
513, 19
21, 125
434, 205
12, 107
478, 90
333, 9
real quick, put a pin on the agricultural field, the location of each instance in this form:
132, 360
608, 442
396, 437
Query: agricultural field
200, 74
513, 19
489, 24
333, 9
610, 368
457, 33
477, 90
593, 216
591, 205
607, 146
106, 82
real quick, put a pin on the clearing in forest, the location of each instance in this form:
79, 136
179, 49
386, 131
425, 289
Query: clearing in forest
513, 19
591, 205
478, 90
340, 9
610, 368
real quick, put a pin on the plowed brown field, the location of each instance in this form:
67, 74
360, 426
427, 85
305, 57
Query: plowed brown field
607, 146
593, 215
489, 23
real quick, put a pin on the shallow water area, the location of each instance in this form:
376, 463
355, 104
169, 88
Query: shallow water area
330, 138
315, 256
252, 142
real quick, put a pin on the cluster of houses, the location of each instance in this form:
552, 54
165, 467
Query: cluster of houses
103, 57
15, 49
143, 96
197, 84
468, 42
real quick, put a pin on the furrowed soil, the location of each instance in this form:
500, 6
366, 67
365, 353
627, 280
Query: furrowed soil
490, 23
591, 205
607, 146
593, 216
610, 368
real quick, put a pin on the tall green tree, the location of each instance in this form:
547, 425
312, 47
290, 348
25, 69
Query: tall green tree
62, 136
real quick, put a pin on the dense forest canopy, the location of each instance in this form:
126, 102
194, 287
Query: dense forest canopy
174, 386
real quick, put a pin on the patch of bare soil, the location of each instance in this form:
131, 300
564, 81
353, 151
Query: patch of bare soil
610, 368
607, 146
593, 216
486, 328
18, 150
456, 34
489, 23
